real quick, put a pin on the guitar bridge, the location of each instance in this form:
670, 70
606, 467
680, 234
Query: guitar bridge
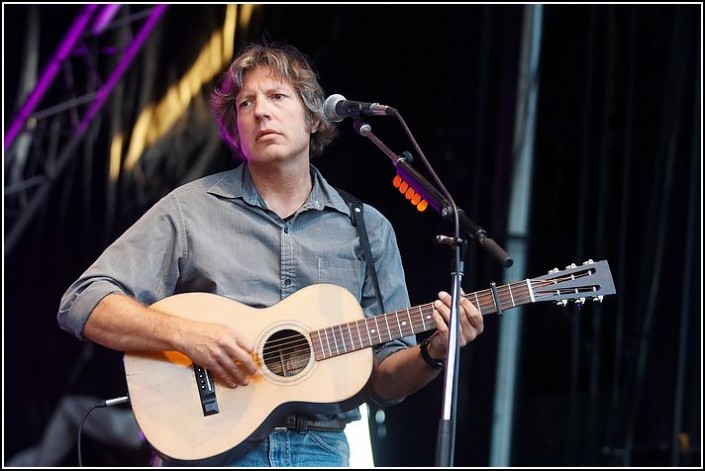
206, 390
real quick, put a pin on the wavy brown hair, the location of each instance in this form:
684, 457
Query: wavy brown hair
291, 65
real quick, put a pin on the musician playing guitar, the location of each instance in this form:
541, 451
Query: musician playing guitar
243, 384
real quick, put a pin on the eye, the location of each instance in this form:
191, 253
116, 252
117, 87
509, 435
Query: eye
278, 96
244, 104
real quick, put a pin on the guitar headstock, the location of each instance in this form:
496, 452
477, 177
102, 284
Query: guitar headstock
589, 281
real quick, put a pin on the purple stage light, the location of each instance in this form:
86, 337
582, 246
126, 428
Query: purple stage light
65, 48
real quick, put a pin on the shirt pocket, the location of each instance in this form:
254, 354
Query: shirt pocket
348, 273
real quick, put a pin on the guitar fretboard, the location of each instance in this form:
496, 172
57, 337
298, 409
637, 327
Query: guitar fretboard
346, 338
592, 280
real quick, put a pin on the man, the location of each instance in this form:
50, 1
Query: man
258, 234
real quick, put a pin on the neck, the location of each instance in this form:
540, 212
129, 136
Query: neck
283, 188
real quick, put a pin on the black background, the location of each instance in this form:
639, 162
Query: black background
617, 155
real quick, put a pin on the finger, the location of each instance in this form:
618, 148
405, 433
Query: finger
243, 359
472, 313
223, 374
470, 320
236, 354
441, 314
445, 297
442, 304
441, 323
242, 366
235, 372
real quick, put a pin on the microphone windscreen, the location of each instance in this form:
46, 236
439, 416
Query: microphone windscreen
329, 107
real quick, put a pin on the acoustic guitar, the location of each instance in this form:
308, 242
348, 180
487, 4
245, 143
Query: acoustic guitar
313, 349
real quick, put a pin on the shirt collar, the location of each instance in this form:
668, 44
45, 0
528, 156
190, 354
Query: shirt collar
322, 194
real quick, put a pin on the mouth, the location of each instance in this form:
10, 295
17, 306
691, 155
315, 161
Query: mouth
265, 133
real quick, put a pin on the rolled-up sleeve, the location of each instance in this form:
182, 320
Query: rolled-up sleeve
143, 263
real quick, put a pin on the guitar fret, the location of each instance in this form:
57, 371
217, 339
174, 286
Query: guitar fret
367, 328
401, 334
478, 302
359, 335
420, 314
379, 336
335, 338
315, 335
324, 342
320, 342
352, 342
404, 326
509, 287
342, 339
325, 337
496, 294
386, 322
335, 342
531, 291
411, 322
487, 295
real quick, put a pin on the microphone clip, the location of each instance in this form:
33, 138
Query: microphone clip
450, 241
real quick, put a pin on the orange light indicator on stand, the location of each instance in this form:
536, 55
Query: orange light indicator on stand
410, 194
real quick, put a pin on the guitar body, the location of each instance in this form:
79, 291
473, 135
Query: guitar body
164, 388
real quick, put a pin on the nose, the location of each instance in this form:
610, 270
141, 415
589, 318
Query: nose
261, 108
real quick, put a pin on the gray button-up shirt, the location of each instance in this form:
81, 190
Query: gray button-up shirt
216, 235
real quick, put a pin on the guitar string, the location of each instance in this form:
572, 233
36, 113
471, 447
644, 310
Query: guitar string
507, 297
290, 344
486, 305
524, 291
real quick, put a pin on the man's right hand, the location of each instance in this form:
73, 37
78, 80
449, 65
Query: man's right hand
219, 349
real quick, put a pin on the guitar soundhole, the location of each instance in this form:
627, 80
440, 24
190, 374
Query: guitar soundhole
286, 353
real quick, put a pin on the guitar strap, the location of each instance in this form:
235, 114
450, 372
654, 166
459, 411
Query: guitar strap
358, 221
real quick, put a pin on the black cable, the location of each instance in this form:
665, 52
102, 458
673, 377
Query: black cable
80, 428
106, 403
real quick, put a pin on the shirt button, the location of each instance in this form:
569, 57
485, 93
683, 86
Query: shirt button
287, 281
286, 229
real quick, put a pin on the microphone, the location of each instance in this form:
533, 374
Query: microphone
336, 108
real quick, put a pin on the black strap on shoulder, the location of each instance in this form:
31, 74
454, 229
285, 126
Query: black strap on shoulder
358, 221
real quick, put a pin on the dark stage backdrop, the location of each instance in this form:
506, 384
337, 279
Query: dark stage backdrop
617, 160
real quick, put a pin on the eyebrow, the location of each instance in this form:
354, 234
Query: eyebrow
278, 88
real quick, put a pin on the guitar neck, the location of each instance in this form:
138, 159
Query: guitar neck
345, 338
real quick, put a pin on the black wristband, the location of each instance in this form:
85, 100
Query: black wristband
430, 361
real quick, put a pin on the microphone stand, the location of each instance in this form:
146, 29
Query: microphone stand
446, 207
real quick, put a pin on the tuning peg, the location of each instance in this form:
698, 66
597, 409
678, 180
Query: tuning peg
562, 302
589, 262
553, 270
598, 298
580, 301
572, 265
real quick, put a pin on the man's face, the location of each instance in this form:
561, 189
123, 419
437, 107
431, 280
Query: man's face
271, 119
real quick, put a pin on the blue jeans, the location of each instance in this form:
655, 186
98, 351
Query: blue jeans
289, 448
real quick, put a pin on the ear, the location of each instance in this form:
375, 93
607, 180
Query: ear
313, 123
